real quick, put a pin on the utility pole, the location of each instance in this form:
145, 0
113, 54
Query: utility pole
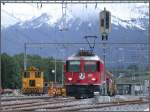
64, 15
62, 78
104, 55
55, 70
25, 56
149, 51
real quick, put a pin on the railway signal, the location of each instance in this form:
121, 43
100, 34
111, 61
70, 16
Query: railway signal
105, 28
105, 24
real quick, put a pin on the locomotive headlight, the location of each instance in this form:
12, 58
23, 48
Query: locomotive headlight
93, 79
70, 78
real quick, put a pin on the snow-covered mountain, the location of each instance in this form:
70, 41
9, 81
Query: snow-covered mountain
129, 24
122, 14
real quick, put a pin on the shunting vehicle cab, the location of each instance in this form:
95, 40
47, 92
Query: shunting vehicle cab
33, 81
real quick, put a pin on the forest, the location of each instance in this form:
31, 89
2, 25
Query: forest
12, 68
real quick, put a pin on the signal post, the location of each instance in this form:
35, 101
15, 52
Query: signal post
105, 28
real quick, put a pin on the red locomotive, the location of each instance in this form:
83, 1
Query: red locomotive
84, 75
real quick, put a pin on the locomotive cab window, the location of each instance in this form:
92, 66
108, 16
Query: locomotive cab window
90, 66
32, 83
73, 66
37, 74
26, 74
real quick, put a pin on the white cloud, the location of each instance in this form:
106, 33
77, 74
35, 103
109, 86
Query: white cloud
28, 11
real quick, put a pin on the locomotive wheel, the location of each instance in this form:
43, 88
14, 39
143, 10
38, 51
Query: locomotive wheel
91, 96
114, 93
108, 93
77, 97
82, 96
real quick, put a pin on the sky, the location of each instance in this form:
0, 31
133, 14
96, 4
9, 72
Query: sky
11, 13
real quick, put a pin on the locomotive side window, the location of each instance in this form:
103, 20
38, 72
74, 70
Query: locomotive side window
73, 66
67, 64
37, 74
98, 66
26, 74
90, 66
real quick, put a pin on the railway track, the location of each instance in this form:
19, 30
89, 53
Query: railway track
82, 107
66, 104
24, 98
15, 101
32, 104
121, 104
22, 105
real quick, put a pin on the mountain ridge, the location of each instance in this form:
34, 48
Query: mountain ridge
42, 29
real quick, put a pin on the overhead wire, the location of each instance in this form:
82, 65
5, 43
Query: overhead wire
74, 1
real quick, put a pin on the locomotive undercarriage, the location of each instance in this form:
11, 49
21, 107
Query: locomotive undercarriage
82, 91
34, 91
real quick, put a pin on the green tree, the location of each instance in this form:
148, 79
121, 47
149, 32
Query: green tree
10, 72
19, 58
133, 67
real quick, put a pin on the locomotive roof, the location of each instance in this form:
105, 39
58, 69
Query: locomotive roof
84, 55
